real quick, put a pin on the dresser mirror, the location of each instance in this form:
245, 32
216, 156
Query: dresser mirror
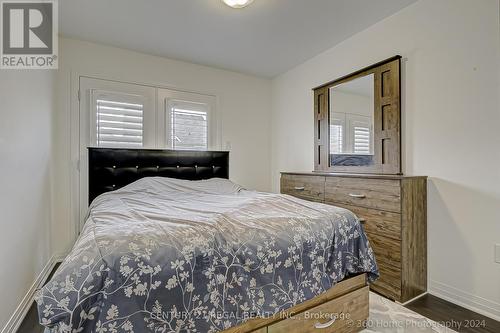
357, 121
351, 122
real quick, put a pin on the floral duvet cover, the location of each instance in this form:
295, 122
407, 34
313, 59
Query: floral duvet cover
168, 255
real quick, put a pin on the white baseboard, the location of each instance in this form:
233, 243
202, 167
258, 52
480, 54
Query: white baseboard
474, 303
17, 318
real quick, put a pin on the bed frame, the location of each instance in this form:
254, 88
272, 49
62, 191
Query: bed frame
113, 168
343, 308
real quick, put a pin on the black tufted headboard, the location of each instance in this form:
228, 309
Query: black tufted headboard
112, 168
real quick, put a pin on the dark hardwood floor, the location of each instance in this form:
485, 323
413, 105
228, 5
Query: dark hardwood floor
432, 307
453, 316
30, 323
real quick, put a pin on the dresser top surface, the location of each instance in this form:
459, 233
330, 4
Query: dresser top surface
353, 175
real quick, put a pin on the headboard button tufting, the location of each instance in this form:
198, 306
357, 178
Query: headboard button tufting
111, 168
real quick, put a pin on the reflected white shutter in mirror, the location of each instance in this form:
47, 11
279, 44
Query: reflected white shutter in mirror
361, 140
336, 139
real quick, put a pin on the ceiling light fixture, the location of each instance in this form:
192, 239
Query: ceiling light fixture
237, 3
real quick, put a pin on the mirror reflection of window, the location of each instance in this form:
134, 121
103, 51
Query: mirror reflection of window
336, 138
351, 117
337, 132
361, 140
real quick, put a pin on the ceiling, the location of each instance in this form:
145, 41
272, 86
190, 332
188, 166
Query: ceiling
265, 39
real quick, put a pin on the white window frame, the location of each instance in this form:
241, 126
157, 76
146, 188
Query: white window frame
91, 89
167, 97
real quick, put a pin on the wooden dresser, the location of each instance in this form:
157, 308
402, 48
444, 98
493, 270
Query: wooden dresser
393, 211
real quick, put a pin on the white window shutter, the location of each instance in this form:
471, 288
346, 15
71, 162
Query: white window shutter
119, 123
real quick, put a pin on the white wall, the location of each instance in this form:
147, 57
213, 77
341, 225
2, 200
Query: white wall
450, 127
26, 113
244, 105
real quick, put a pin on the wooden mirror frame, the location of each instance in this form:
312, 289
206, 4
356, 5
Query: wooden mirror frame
386, 123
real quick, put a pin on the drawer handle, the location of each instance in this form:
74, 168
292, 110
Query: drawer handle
359, 196
299, 188
325, 325
362, 220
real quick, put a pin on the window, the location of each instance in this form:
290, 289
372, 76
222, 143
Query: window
127, 115
119, 120
116, 115
189, 125
187, 121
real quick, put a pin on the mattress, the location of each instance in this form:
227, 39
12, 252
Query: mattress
168, 255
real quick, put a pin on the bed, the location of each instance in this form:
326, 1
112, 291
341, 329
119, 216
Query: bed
171, 245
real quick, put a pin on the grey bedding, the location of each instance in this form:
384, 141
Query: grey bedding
166, 255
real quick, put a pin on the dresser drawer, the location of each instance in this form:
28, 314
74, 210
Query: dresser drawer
383, 194
389, 282
305, 187
337, 315
387, 250
388, 256
379, 222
